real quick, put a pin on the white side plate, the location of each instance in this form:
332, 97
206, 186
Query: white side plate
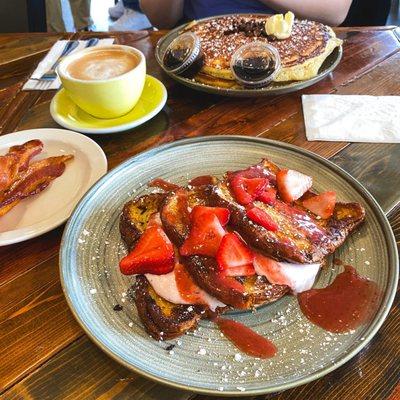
47, 210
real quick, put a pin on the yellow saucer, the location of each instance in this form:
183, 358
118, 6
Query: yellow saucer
67, 114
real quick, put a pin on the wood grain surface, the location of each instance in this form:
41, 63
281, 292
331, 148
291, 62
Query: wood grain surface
46, 355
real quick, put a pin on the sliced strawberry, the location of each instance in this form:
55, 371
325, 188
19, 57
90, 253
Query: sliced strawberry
153, 254
234, 254
240, 194
246, 190
268, 196
270, 268
292, 184
205, 236
260, 217
221, 213
322, 204
244, 270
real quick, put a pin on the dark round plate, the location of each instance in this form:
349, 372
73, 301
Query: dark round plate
274, 88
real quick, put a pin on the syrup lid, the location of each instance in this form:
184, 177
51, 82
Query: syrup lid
255, 64
181, 53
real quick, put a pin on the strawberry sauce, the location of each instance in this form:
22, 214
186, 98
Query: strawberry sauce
345, 304
163, 184
246, 339
202, 180
186, 287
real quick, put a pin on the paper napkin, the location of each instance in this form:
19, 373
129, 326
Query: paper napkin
50, 59
353, 118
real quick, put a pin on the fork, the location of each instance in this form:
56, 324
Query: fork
50, 74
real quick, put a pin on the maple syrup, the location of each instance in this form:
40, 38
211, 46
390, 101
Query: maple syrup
255, 64
254, 69
184, 55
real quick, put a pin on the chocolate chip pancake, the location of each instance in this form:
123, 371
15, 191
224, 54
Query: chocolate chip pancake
302, 54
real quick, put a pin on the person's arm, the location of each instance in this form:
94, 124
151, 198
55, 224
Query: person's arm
331, 12
163, 13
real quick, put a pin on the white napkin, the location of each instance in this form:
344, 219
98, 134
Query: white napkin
50, 59
354, 118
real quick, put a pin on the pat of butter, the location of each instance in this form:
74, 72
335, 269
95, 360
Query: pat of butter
280, 26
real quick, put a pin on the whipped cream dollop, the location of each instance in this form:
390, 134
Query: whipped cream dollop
167, 288
299, 277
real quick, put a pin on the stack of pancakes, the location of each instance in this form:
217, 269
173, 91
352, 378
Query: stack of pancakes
302, 54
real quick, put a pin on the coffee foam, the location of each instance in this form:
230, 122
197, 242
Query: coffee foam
102, 64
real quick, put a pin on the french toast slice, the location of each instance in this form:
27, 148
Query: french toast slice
301, 237
136, 214
162, 319
241, 292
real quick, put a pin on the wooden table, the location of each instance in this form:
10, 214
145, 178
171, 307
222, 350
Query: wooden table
44, 354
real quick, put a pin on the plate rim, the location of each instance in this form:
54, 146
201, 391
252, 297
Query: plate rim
376, 324
241, 92
118, 128
54, 131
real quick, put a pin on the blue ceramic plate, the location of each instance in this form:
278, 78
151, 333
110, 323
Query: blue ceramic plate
92, 247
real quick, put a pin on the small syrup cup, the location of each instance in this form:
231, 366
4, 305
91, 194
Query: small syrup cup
255, 65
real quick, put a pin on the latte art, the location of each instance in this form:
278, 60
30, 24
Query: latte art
102, 64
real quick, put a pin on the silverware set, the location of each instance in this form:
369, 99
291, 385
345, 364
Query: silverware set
50, 75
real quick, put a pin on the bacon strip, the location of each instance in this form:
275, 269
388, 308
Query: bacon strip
25, 152
16, 161
32, 181
8, 170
